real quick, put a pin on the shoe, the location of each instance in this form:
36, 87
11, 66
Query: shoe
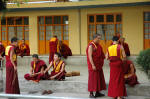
49, 92
99, 94
91, 96
44, 92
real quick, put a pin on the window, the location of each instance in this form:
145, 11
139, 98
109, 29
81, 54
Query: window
105, 24
15, 26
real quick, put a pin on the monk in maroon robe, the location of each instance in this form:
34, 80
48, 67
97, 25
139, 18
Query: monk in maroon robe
12, 84
58, 65
125, 46
95, 61
37, 70
116, 55
24, 49
130, 73
65, 51
2, 52
53, 47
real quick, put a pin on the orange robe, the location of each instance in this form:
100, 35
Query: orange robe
12, 84
130, 72
24, 50
37, 68
116, 83
56, 69
53, 48
96, 81
65, 51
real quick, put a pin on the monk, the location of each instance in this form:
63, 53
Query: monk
58, 65
130, 73
37, 70
24, 49
53, 47
65, 51
116, 55
95, 61
125, 46
12, 84
2, 52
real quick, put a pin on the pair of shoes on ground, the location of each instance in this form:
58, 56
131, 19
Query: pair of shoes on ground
47, 92
96, 95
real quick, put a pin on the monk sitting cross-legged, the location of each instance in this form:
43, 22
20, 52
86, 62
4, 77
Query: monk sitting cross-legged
37, 70
58, 65
130, 75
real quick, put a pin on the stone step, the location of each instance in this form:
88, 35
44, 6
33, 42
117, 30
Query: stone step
71, 60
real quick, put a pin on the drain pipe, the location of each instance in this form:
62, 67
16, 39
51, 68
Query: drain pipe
80, 29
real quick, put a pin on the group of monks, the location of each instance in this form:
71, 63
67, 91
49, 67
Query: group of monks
122, 70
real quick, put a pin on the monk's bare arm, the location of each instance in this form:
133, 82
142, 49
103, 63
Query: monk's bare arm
62, 69
107, 57
31, 70
48, 68
90, 50
11, 58
123, 53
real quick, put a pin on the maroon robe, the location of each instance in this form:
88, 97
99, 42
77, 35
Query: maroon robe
53, 43
61, 76
132, 79
12, 84
126, 49
2, 52
116, 83
38, 67
65, 51
96, 81
24, 50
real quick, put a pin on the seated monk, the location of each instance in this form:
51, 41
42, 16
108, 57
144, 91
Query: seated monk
130, 73
24, 49
58, 65
37, 70
65, 51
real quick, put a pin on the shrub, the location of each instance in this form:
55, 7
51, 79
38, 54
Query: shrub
144, 59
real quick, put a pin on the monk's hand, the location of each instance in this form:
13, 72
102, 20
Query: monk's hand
51, 78
93, 67
15, 68
32, 75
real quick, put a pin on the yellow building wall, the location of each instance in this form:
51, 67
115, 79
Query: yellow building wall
74, 42
132, 25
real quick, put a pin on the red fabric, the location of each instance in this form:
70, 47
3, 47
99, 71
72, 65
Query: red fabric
2, 50
12, 86
97, 56
133, 80
17, 50
26, 51
37, 69
52, 49
65, 51
126, 49
116, 83
96, 81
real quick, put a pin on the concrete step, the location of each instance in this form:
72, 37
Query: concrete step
71, 60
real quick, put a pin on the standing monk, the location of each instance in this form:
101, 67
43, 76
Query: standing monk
95, 61
37, 70
53, 47
65, 51
12, 84
130, 73
2, 52
125, 46
116, 54
24, 49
